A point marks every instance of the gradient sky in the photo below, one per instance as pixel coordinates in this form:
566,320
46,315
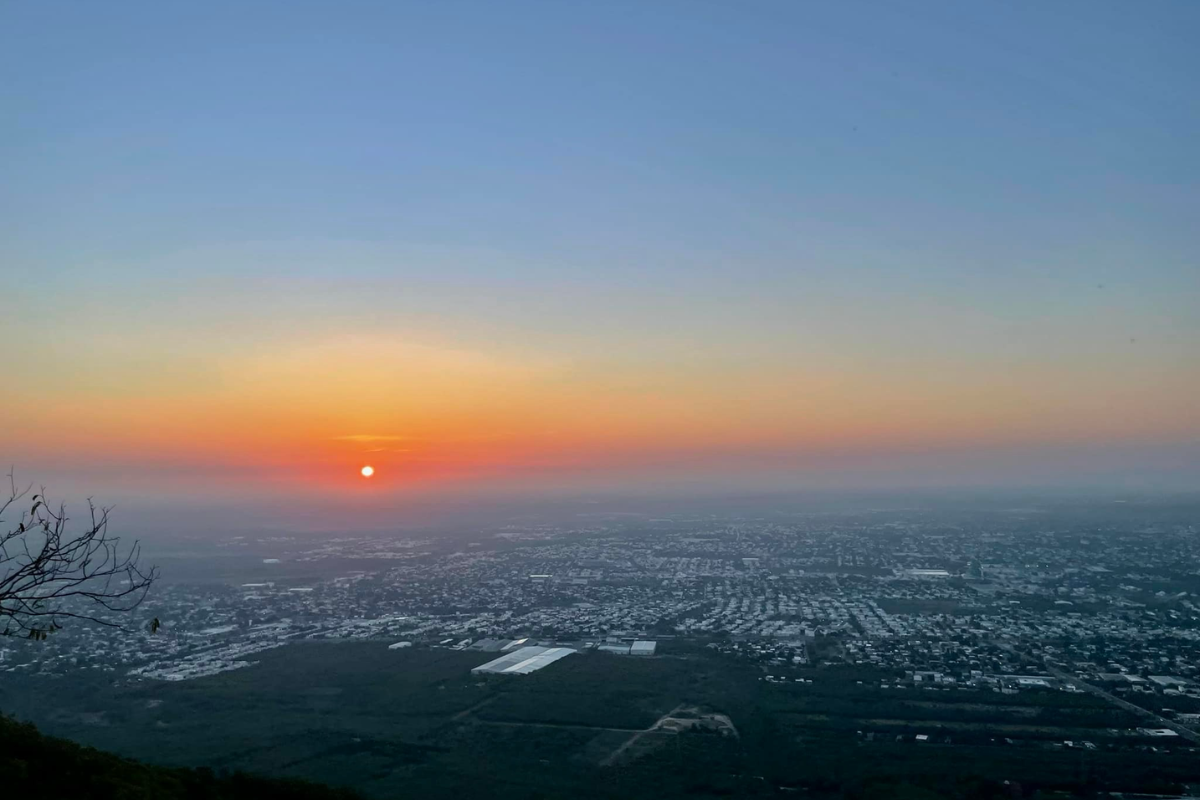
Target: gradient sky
247,247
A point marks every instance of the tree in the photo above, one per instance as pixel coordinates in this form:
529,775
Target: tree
49,574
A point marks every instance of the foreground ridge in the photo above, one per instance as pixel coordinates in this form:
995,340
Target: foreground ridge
38,766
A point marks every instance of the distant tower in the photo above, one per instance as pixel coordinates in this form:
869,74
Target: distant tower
975,570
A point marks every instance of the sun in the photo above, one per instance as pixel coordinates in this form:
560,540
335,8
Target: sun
367,471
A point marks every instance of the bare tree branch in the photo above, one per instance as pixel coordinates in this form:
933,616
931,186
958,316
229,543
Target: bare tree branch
48,574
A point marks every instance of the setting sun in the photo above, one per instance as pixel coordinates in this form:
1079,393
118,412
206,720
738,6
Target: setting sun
367,471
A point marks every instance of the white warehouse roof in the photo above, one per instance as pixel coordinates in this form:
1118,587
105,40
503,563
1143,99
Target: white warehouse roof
524,660
642,648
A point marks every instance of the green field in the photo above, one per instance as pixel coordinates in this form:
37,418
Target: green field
416,723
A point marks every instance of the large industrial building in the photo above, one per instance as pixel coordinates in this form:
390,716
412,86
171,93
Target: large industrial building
523,661
642,648
637,648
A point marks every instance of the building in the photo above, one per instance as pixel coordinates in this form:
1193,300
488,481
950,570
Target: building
523,661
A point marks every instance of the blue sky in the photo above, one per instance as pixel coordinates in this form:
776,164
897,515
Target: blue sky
877,197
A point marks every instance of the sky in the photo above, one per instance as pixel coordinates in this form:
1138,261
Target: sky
518,248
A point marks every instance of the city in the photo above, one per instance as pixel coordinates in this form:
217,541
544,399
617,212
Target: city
1031,601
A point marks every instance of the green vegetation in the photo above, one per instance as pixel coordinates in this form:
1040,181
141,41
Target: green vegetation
417,723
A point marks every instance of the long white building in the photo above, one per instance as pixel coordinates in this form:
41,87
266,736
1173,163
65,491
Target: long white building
524,660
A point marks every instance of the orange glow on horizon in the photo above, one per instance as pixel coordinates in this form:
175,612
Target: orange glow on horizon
432,415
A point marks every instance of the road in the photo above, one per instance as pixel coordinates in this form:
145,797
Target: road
1160,721
632,740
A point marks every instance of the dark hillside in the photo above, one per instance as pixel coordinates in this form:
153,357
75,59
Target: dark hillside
38,766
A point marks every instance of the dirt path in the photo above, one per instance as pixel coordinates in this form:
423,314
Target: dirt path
632,740
466,712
